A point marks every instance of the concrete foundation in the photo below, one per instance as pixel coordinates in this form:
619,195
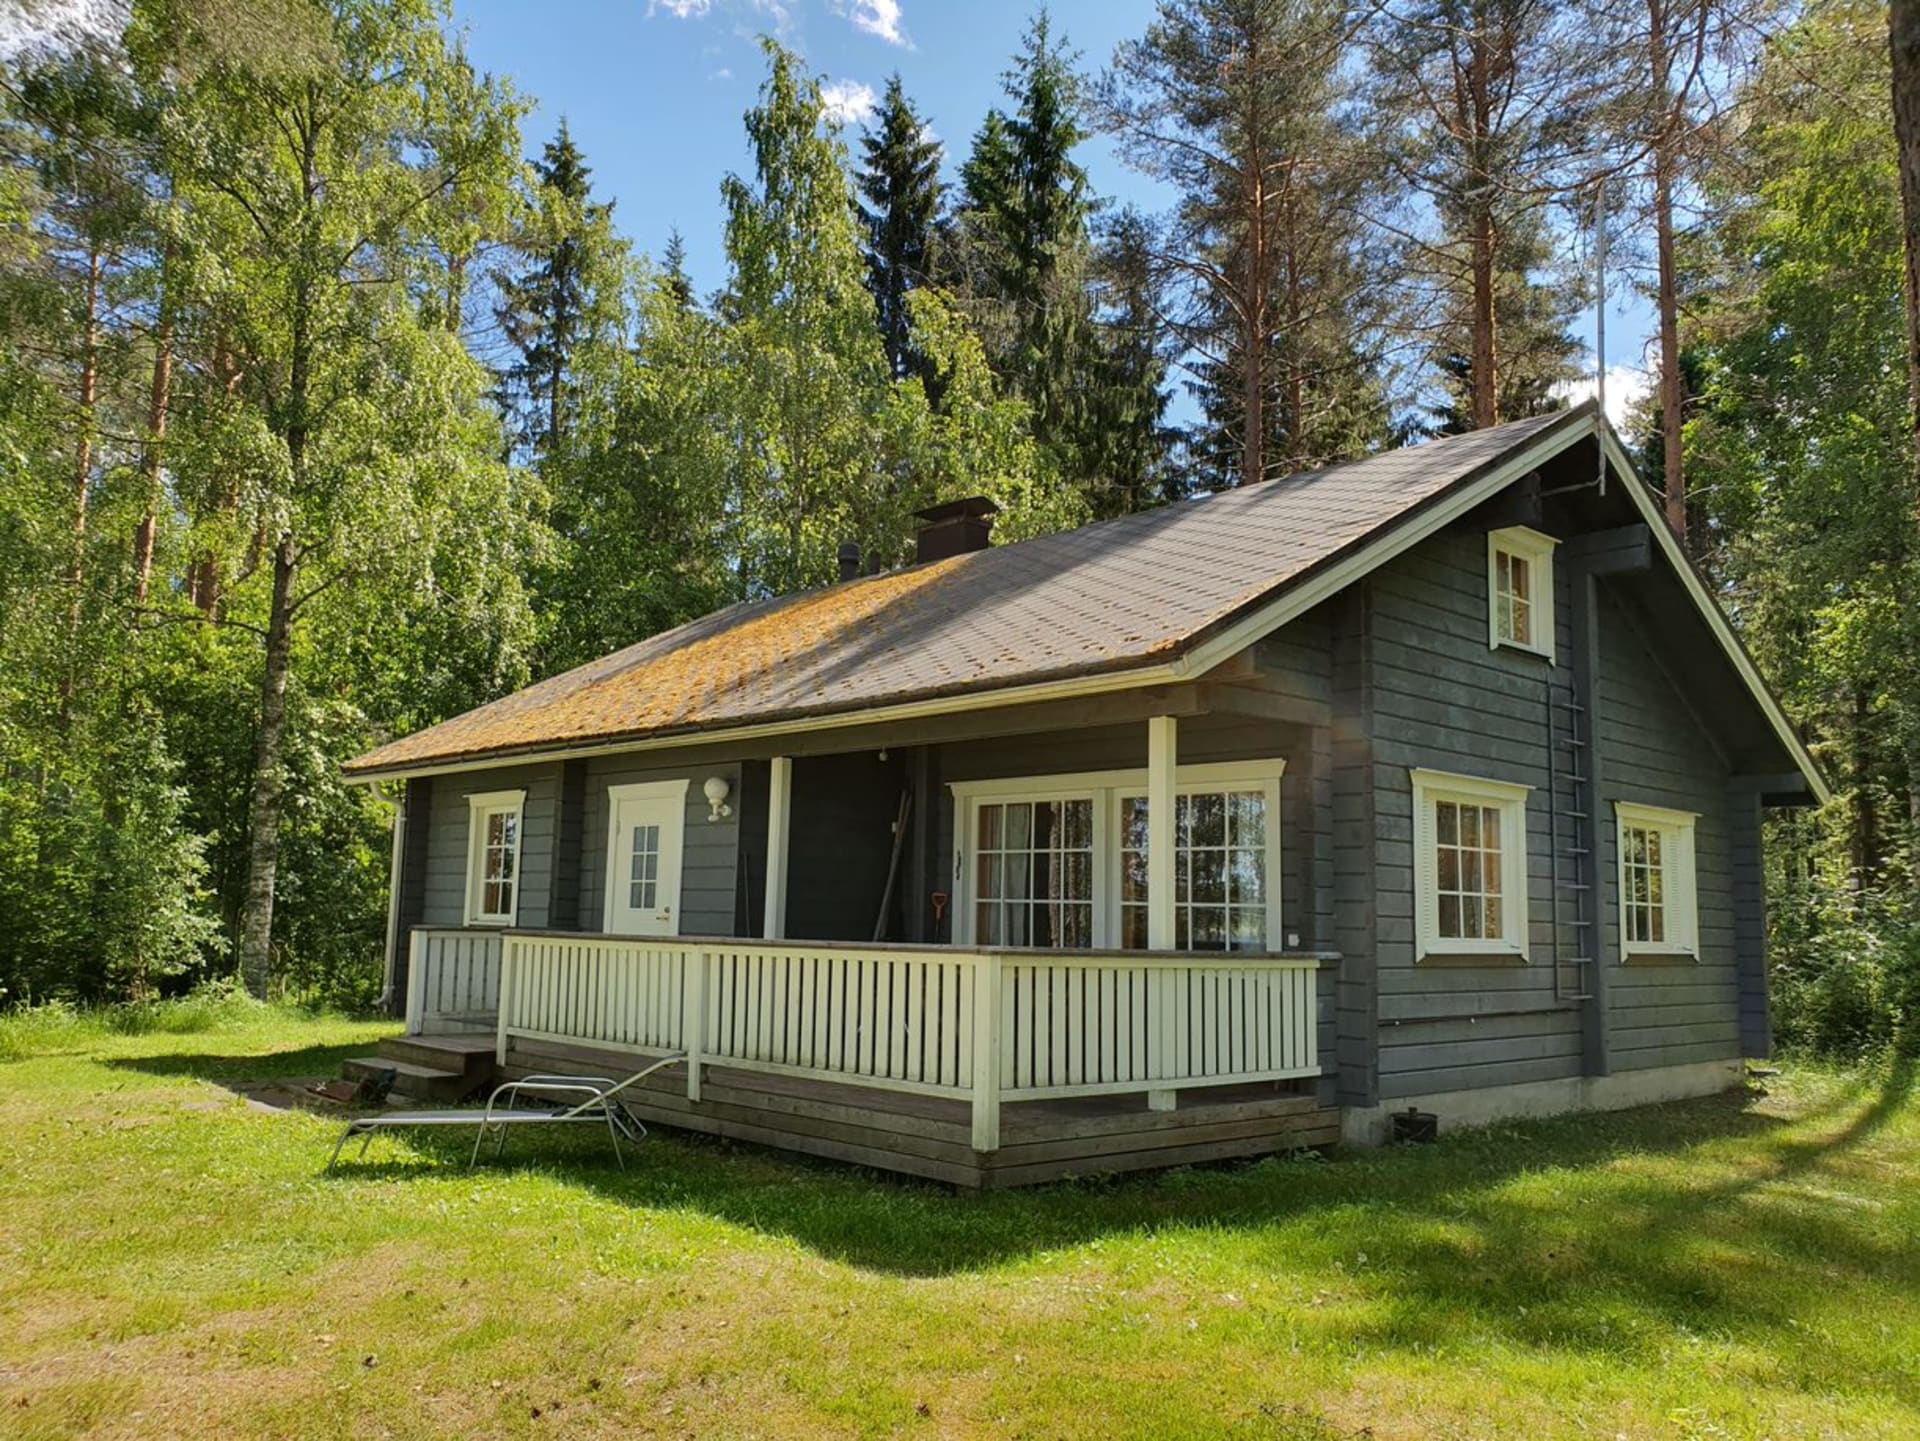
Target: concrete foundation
1370,1126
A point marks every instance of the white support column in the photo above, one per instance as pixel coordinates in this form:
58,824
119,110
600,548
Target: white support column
509,983
1163,750
779,804
986,1051
416,984
693,1024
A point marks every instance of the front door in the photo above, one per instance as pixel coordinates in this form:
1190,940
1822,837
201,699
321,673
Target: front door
643,863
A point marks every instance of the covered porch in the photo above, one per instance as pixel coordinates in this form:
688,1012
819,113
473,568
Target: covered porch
1067,986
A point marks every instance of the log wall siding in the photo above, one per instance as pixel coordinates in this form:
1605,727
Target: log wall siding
710,849
444,900
1439,697
1667,1011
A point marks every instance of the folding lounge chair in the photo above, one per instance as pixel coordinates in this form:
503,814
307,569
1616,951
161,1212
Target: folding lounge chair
598,1103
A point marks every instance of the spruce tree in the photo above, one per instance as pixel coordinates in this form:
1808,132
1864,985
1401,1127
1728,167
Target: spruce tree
545,311
899,182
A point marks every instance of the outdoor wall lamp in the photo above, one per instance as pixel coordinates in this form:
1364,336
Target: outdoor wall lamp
716,790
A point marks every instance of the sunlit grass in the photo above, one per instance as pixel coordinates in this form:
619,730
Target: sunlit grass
173,1261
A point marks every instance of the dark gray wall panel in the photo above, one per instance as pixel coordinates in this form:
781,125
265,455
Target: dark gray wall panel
445,898
707,862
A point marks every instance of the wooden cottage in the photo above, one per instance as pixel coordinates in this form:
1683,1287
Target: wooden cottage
1432,780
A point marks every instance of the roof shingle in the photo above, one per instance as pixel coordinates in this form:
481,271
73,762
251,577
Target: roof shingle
1113,595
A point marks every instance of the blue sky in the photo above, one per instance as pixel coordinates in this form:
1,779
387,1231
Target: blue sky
654,91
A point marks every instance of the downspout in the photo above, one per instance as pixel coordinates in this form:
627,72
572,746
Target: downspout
393,896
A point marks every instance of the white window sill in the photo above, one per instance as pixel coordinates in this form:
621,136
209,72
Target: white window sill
1472,950
501,922
1658,953
1523,649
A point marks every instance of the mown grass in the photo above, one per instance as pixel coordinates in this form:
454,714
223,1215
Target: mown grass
174,1262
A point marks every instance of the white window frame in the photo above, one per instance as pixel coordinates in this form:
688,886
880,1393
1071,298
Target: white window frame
1104,790
1536,549
1430,787
1679,878
481,805
673,790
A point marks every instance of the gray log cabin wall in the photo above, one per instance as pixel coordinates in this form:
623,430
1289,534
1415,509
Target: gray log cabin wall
1420,687
563,852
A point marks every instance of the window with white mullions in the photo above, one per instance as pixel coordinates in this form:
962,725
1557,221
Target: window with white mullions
644,868
1468,863
493,857
1469,866
1033,873
1520,589
1658,906
1220,870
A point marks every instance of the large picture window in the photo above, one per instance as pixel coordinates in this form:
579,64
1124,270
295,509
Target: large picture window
1061,861
1658,914
1470,865
493,857
1220,883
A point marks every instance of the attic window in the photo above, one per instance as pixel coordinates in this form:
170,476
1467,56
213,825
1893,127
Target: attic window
1520,590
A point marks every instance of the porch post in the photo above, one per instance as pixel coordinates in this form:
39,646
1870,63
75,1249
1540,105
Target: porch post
986,1050
416,983
396,870
1162,758
779,804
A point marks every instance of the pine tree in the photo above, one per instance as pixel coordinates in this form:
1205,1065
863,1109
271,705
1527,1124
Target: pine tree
900,182
1240,103
1481,107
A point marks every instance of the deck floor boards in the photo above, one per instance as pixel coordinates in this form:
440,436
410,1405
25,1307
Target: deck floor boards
931,1136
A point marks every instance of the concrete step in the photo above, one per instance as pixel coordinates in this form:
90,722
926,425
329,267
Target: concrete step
411,1081
469,1056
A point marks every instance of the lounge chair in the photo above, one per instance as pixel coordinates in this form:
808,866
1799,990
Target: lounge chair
598,1104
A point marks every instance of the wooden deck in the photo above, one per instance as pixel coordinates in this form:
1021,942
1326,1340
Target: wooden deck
931,1136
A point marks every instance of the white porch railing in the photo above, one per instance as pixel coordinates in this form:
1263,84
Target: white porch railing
453,980
981,1026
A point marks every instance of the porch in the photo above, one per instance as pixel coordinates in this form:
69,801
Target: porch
978,1067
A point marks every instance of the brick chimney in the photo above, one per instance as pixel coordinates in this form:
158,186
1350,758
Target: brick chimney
954,528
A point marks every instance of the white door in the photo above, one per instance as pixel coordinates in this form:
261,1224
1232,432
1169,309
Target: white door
643,859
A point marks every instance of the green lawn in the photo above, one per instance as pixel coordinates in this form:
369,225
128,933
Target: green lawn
174,1262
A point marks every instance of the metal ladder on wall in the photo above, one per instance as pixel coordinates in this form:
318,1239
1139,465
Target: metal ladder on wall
1569,835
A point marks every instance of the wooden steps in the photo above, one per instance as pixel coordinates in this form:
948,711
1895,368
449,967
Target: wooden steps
428,1068
931,1136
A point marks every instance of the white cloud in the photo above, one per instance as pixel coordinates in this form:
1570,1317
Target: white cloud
879,18
847,100
1627,385
723,73
680,9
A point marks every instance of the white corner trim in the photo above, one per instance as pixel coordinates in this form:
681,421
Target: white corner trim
1535,547
1430,786
480,805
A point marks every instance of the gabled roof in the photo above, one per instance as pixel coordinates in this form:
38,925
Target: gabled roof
1149,598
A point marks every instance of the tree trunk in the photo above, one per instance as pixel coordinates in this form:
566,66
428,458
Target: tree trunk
1671,397
1254,351
158,400
1903,39
1904,42
1485,358
83,446
269,777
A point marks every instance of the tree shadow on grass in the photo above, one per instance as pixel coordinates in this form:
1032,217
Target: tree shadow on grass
883,1223
243,1071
